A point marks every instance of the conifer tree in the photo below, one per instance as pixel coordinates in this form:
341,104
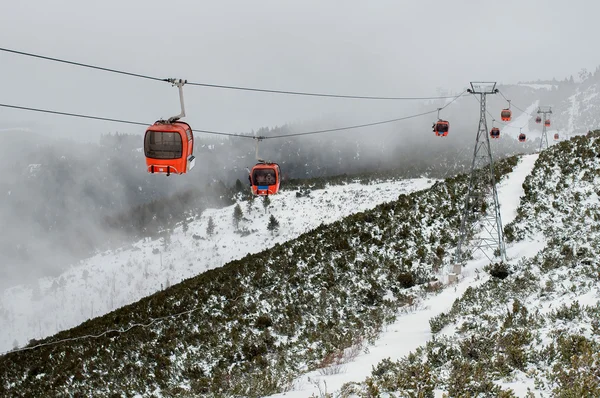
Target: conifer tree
266,202
249,204
237,216
210,229
239,187
166,240
273,224
185,225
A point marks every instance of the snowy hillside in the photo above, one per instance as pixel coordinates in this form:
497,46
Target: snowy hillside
111,280
531,329
538,86
580,111
360,307
575,105
251,327
411,329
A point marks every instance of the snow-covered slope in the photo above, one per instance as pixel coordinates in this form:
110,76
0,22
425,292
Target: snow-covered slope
411,329
579,112
538,86
531,332
113,279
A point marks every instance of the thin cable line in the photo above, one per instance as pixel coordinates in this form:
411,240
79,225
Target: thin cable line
455,98
351,127
303,93
510,102
220,86
80,64
499,121
219,132
72,114
367,124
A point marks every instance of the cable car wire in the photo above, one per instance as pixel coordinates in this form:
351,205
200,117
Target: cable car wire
220,86
210,131
364,97
224,133
510,102
350,127
80,64
72,114
367,124
501,122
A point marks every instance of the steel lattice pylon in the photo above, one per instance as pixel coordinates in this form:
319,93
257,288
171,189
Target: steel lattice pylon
544,138
476,216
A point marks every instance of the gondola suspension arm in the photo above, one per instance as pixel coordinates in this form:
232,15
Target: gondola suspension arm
179,83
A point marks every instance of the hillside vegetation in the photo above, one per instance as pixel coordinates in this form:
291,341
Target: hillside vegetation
537,324
250,327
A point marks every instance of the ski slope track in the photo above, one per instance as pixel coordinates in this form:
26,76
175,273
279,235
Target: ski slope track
113,279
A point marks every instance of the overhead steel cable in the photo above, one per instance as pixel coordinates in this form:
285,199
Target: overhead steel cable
350,127
501,122
220,132
221,86
302,93
80,64
510,102
211,131
455,98
25,108
366,124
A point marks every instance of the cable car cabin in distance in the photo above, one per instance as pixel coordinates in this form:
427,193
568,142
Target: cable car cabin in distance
547,123
505,115
522,137
265,179
169,147
556,137
441,128
538,119
495,132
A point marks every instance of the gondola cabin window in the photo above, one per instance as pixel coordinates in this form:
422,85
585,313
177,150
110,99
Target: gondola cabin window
262,177
163,145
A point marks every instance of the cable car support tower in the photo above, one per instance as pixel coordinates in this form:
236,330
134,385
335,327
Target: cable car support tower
544,138
477,217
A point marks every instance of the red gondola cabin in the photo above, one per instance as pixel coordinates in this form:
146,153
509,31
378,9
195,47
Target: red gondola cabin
538,119
169,148
441,128
265,179
556,137
505,115
547,123
522,137
495,132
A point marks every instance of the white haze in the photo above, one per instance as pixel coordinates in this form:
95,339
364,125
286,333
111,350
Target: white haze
387,48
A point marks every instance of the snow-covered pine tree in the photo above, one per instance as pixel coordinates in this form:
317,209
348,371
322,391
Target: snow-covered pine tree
273,224
237,216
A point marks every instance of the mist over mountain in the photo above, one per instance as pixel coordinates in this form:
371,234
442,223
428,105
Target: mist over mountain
66,199
78,194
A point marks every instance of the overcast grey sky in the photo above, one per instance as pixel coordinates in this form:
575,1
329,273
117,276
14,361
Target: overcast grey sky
388,48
